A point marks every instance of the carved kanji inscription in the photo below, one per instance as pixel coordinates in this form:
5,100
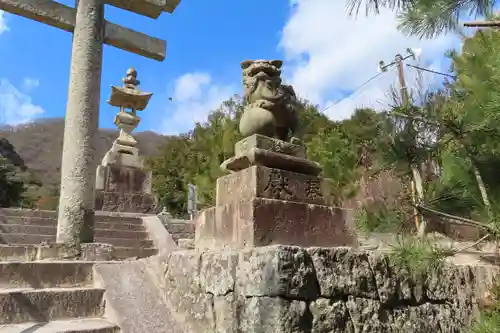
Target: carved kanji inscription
278,185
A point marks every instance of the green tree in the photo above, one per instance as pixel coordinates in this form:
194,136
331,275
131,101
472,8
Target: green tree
426,18
169,171
195,157
12,186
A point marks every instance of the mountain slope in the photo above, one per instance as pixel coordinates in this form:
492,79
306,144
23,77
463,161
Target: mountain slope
40,145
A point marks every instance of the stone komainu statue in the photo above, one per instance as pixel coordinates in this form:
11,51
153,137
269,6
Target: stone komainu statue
271,108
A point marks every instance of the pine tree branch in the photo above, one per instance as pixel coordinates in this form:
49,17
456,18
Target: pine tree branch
415,118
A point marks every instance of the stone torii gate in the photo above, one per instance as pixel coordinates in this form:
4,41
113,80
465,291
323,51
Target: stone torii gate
90,31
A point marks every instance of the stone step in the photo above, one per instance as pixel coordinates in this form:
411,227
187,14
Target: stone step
13,238
45,274
28,212
17,252
180,227
28,252
87,325
176,237
99,216
131,252
43,305
52,222
52,230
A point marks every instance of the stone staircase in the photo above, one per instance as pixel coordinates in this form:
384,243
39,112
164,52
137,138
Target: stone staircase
51,297
21,230
182,231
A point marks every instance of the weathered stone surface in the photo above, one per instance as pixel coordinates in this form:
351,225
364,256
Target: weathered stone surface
43,305
343,271
97,252
76,200
117,178
367,315
243,146
132,299
227,311
274,315
217,272
56,251
257,156
150,8
263,222
277,271
184,289
395,283
330,316
427,318
125,202
339,290
263,182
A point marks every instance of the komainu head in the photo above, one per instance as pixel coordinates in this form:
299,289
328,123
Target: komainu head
271,107
262,80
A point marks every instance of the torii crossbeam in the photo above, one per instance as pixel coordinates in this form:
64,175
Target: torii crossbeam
90,31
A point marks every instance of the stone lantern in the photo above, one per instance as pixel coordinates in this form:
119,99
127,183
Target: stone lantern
122,184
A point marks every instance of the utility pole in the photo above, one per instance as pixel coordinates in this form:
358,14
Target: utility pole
405,99
417,191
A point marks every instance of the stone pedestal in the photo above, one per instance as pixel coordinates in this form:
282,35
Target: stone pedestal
124,189
258,205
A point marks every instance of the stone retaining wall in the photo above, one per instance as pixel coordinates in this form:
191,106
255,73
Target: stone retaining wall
291,289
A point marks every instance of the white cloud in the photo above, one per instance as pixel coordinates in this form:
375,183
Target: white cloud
15,107
329,54
3,24
30,83
194,96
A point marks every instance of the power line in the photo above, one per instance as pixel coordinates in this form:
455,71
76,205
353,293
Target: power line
432,71
354,91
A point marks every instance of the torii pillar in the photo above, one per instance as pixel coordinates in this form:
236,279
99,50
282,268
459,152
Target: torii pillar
90,30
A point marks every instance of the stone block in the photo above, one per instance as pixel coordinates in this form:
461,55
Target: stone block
97,252
244,146
262,222
330,316
125,202
277,271
262,182
368,315
115,178
217,272
227,310
257,156
343,271
274,315
55,251
184,290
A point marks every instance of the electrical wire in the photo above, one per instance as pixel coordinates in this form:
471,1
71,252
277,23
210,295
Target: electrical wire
432,71
356,90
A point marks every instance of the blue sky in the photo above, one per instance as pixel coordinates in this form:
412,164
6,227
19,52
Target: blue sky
326,56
